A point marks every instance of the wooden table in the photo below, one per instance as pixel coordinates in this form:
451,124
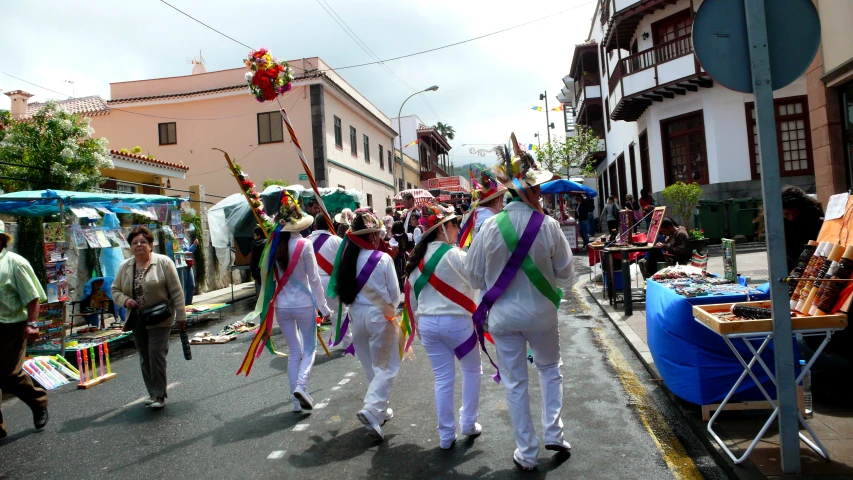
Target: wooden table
625,251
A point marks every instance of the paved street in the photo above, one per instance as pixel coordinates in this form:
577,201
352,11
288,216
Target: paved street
223,426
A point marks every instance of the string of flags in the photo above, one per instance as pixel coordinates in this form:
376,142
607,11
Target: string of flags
540,109
410,144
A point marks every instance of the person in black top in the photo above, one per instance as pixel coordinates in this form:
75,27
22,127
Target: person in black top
583,212
803,220
258,244
312,208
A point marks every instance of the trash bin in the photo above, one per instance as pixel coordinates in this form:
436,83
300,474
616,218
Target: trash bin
739,213
711,218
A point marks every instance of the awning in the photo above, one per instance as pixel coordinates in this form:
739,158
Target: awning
41,203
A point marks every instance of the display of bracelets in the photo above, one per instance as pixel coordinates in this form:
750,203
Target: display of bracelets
705,290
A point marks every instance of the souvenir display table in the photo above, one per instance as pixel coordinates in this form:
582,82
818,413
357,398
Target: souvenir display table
196,311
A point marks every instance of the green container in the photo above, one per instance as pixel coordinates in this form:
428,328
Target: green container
739,214
711,218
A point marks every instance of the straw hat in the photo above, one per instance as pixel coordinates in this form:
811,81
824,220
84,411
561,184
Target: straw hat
291,217
345,217
436,216
4,233
524,168
487,189
371,223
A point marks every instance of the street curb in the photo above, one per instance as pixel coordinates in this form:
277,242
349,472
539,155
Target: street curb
698,427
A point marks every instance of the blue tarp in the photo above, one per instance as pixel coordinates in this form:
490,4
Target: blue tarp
694,362
41,203
567,186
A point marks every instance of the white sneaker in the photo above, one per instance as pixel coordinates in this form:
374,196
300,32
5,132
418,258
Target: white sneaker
297,408
562,447
366,418
474,431
448,445
149,401
521,464
389,414
305,400
158,404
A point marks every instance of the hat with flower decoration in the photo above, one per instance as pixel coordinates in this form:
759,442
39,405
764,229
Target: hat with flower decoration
486,188
371,223
290,216
524,171
435,215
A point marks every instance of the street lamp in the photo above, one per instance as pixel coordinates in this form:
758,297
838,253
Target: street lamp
400,131
548,124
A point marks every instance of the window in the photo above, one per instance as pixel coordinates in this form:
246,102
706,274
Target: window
381,158
389,161
270,128
339,135
672,27
792,137
125,187
168,133
366,148
607,112
645,164
370,200
684,149
387,201
399,184
353,148
409,185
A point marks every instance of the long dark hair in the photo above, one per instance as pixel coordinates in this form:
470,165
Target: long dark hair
421,247
347,271
282,254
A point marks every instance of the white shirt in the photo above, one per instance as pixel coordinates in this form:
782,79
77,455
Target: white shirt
521,307
389,222
329,251
383,279
451,270
305,272
483,214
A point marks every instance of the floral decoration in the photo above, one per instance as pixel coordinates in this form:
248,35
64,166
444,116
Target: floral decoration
248,188
696,234
268,78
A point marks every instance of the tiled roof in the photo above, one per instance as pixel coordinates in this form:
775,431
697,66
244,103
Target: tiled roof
19,92
132,157
87,106
588,43
200,93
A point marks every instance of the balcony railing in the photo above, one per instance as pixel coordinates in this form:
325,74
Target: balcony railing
656,55
615,77
590,80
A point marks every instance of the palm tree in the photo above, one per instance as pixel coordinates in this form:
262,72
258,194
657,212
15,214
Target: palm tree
445,130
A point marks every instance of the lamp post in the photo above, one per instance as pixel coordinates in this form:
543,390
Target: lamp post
538,140
548,124
400,131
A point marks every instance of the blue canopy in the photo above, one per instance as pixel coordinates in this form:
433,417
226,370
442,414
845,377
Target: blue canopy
41,203
565,186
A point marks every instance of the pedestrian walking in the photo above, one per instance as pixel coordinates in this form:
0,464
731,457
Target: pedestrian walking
189,274
20,295
611,215
367,283
325,246
583,213
522,304
298,295
400,243
443,310
147,285
488,202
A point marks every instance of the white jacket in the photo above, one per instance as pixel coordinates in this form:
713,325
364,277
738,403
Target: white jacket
451,270
521,307
383,280
305,272
329,251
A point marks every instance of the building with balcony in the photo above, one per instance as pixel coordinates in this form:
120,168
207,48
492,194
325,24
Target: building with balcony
664,119
426,145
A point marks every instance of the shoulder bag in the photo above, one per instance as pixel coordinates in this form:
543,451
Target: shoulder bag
153,314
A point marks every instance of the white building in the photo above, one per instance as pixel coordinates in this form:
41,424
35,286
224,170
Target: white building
640,88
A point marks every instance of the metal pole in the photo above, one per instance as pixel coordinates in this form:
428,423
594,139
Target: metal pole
547,119
400,134
786,388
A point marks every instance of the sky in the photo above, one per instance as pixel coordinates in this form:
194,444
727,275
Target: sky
487,87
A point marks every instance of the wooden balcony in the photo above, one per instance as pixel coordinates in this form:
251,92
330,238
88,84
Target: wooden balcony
661,72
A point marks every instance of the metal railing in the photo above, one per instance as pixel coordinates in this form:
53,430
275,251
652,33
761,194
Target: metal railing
656,55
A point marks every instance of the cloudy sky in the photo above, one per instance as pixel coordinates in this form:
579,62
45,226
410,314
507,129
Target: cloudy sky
487,87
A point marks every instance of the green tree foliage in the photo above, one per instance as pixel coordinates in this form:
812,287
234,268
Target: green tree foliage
53,149
573,153
682,200
269,181
445,130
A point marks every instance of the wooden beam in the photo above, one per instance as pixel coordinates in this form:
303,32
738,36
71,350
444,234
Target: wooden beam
689,86
676,90
653,96
666,93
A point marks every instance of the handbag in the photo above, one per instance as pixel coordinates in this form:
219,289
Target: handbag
155,313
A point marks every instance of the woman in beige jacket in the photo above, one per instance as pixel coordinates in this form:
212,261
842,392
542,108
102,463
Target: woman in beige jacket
143,281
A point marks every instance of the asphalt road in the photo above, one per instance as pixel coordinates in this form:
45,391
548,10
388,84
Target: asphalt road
218,425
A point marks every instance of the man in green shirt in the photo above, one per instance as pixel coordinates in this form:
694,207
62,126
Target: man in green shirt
20,294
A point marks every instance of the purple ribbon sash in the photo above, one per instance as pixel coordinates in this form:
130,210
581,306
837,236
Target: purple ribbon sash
360,282
504,279
466,346
319,242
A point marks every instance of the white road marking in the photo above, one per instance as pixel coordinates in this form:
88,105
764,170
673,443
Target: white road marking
350,374
276,454
336,388
322,404
300,427
344,381
139,400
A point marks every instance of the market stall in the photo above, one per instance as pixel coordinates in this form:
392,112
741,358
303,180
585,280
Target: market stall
77,290
562,187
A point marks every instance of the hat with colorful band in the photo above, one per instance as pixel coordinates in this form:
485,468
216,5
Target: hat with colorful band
487,188
524,173
436,215
371,223
290,216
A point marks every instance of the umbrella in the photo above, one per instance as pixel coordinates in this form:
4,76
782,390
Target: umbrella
421,196
567,186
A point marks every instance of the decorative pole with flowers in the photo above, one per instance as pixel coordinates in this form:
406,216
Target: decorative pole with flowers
247,187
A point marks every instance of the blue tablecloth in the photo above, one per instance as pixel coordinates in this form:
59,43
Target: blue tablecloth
694,362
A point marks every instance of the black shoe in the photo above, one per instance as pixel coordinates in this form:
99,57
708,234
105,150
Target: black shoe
3,434
40,417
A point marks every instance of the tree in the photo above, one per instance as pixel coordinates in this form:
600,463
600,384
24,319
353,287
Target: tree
682,200
579,151
552,155
52,149
445,130
269,181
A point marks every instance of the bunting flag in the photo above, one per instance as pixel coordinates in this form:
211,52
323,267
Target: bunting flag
532,147
538,108
557,109
410,144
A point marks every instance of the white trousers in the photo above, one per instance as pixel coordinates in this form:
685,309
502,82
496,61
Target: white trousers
512,360
333,303
440,334
368,331
299,326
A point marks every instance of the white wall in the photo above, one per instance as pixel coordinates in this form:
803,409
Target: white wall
408,125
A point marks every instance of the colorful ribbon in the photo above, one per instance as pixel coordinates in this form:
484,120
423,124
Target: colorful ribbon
533,273
322,262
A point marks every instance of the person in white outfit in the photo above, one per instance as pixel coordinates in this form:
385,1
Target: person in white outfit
325,245
367,282
445,325
297,302
524,312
